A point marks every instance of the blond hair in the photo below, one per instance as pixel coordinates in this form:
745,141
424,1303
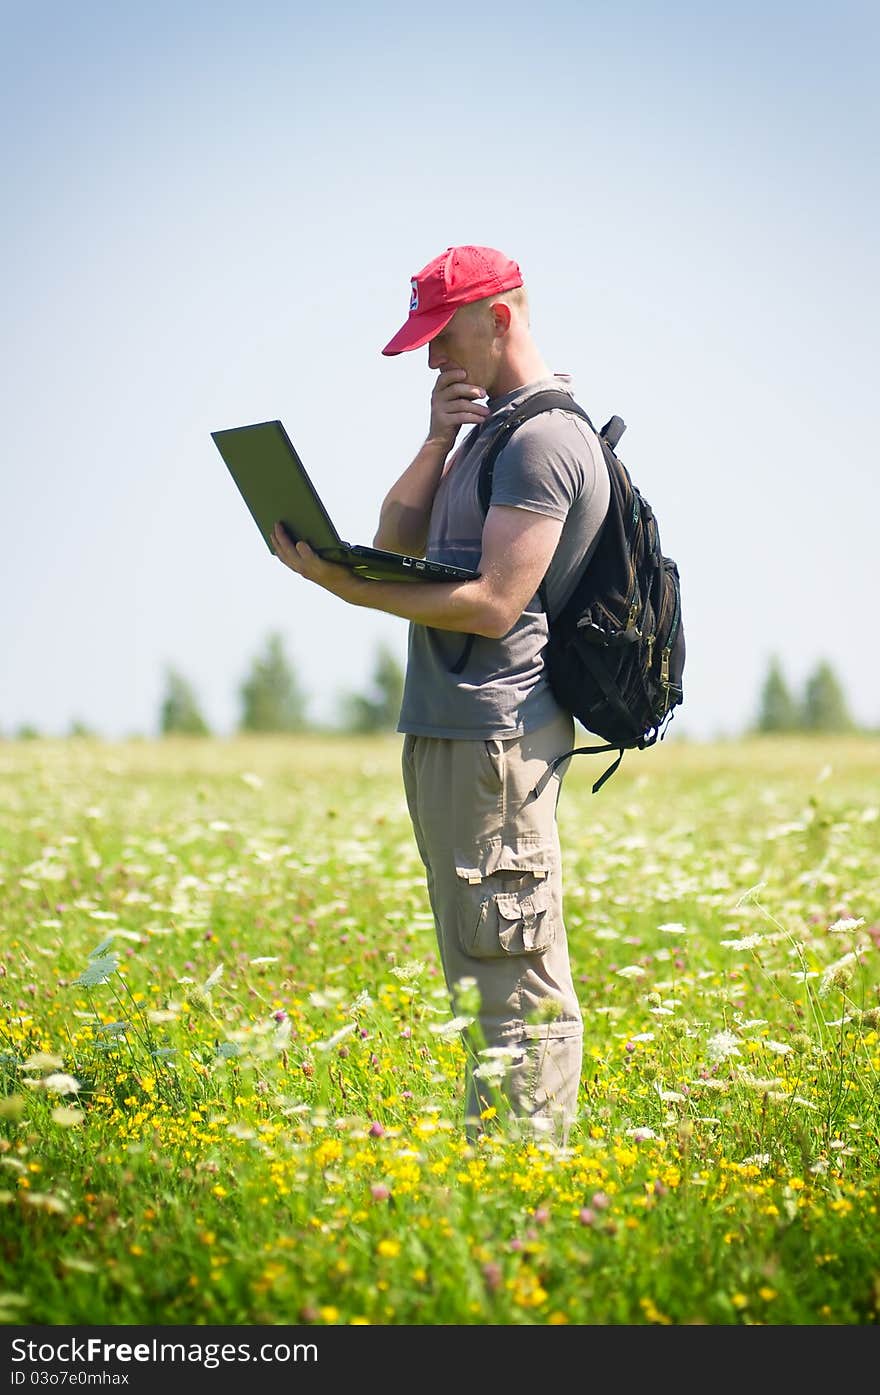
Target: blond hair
517,299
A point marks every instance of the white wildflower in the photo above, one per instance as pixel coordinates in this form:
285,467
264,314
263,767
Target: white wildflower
750,894
281,1034
326,999
722,1045
491,1071
451,1028
254,781
336,1038
61,1084
631,971
747,942
669,1096
838,975
673,927
67,1118
841,927
779,1048
42,1060
242,1131
641,1134
408,973
45,1201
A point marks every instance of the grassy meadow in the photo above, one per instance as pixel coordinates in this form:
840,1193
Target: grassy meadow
230,1085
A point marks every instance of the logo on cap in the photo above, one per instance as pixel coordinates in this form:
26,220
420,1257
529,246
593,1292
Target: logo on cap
414,298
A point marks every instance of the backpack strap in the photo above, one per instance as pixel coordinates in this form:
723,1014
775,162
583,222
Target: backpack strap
532,406
611,432
580,751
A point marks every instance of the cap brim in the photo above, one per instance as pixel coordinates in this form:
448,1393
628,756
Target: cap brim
419,330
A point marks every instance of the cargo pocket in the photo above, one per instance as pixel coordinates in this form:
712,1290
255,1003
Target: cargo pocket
505,914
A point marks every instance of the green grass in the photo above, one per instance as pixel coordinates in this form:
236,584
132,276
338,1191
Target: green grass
229,1095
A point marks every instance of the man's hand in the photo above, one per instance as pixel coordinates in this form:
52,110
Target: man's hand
300,558
454,404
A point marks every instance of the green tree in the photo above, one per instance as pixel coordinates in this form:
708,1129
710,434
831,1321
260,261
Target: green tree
81,729
379,709
824,706
271,697
180,713
777,709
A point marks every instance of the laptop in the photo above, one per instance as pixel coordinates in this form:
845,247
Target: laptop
274,484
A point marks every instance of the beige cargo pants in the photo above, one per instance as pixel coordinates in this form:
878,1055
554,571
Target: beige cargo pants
490,846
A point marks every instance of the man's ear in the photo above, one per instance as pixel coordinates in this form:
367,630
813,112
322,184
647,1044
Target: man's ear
502,317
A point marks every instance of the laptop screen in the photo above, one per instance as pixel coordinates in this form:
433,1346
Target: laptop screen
273,482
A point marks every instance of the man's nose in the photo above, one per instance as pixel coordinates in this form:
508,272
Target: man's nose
437,359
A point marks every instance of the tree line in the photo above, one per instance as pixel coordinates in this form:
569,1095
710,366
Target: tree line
272,700
820,706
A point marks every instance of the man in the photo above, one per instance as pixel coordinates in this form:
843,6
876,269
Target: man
480,723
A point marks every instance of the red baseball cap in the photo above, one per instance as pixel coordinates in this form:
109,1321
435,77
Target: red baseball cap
457,277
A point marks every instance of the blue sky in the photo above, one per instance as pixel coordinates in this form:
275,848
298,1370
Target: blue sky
211,215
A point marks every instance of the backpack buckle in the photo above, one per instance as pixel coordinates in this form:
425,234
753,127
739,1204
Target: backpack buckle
591,631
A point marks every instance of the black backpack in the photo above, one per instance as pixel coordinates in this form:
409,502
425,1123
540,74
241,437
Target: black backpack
615,652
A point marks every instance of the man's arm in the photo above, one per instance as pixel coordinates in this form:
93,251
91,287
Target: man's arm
517,548
406,510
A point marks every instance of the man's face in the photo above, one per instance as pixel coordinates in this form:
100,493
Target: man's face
468,342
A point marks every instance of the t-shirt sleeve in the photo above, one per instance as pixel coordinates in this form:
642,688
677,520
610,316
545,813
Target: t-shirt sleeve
545,467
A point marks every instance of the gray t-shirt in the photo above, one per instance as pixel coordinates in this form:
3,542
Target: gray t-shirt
553,464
